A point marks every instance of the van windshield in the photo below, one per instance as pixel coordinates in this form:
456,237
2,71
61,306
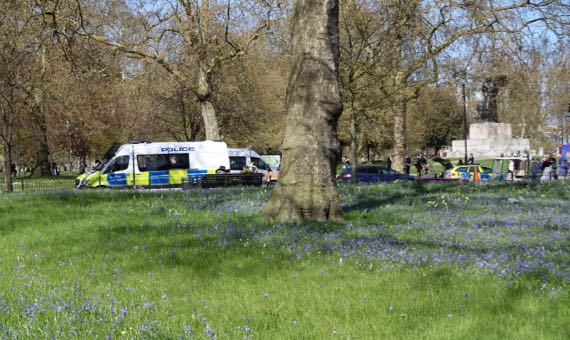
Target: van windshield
260,164
118,164
107,157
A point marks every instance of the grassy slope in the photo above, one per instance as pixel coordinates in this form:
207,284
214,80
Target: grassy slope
174,264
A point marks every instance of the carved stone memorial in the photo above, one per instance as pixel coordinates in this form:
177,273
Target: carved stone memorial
488,138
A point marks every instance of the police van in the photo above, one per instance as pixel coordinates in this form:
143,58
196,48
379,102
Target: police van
241,158
162,164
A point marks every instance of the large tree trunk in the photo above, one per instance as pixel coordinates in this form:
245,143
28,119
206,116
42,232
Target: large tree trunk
208,112
38,121
307,186
399,108
7,143
353,160
399,147
39,126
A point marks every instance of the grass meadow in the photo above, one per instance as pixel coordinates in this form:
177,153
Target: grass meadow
445,261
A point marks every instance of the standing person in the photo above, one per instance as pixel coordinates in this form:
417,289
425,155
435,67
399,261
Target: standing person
554,168
424,163
471,159
13,169
389,162
546,170
418,166
407,164
511,170
346,163
53,168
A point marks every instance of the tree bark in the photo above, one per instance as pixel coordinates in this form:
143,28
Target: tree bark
39,126
8,165
307,187
208,112
399,112
399,148
353,156
38,121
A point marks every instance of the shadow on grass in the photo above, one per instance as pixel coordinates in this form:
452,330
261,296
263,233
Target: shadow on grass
206,249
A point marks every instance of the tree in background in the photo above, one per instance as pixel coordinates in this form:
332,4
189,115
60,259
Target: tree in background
434,119
118,74
20,88
359,29
428,30
189,39
250,97
531,98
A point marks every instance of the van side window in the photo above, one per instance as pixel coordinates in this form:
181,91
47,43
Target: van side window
118,164
179,161
259,163
163,162
237,162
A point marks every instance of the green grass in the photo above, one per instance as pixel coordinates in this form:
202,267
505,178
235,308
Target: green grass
27,183
170,264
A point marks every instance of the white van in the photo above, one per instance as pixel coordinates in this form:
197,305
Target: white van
157,164
242,157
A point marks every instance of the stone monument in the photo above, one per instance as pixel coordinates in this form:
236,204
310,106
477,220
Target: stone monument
488,137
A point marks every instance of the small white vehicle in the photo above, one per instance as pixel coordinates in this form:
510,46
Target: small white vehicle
243,158
159,164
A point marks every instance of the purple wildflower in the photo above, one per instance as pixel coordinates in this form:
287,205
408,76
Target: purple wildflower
210,332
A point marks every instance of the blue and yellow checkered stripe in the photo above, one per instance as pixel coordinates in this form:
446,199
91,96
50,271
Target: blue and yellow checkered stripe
150,178
483,176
